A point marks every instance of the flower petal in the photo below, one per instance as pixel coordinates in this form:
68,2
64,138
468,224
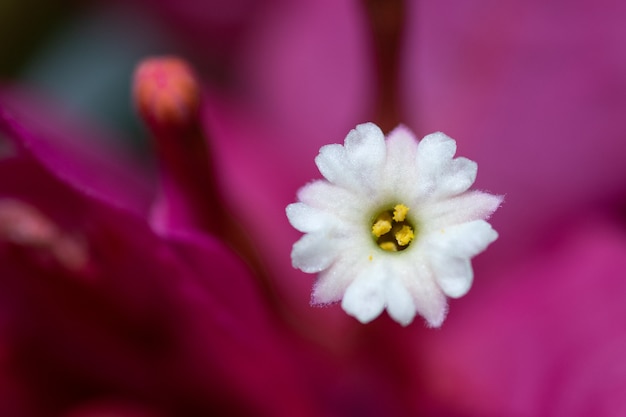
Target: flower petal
332,283
333,199
366,150
439,173
433,306
460,176
451,250
365,297
305,218
469,206
400,171
428,299
400,305
356,164
454,275
314,252
464,240
331,161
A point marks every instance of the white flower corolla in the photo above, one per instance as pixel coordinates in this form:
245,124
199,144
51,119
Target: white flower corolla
393,225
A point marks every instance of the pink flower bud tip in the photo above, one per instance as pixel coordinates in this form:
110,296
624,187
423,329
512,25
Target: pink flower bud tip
166,91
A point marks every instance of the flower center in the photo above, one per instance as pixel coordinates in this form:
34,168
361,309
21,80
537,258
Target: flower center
391,229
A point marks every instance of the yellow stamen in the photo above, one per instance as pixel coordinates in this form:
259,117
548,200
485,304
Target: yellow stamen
392,230
388,246
399,212
382,225
405,235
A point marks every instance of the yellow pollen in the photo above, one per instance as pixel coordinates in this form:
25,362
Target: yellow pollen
388,246
382,224
391,229
399,212
405,235
381,227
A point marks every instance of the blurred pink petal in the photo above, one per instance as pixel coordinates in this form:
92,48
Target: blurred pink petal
112,408
309,75
74,152
307,68
534,92
261,171
178,321
546,341
536,103
212,30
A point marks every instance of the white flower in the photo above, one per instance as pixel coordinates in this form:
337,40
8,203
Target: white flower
393,226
